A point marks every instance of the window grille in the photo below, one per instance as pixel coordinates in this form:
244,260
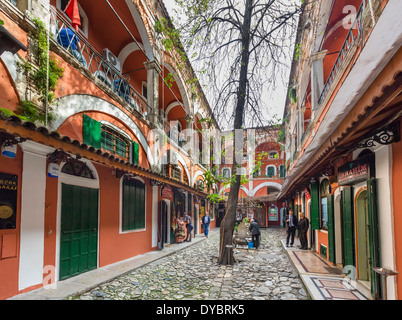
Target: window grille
113,142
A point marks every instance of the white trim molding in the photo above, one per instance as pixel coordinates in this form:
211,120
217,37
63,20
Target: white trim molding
77,103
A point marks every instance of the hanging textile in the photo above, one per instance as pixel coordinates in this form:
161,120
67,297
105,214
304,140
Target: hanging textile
73,12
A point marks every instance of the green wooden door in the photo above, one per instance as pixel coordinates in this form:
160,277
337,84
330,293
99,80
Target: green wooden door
373,237
79,230
331,228
347,227
315,206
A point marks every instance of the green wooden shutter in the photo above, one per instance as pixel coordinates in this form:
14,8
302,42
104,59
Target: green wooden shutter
315,206
347,226
373,237
133,205
91,132
331,228
140,214
282,171
135,153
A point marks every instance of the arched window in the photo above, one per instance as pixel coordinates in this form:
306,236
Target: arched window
241,171
115,142
273,155
200,184
324,192
256,173
176,172
78,169
271,171
226,173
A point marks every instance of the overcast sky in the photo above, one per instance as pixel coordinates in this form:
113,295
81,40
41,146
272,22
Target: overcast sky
275,102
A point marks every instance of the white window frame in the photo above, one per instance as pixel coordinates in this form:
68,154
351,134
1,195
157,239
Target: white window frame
230,172
273,158
271,166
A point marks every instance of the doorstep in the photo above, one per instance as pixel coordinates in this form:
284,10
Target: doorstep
322,280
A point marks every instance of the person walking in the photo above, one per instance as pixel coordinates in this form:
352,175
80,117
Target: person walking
303,226
189,227
291,223
255,233
206,220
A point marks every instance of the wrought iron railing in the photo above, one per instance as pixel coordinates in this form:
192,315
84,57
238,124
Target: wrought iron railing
72,41
353,34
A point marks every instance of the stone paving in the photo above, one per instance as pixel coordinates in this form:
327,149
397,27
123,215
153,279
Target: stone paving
193,274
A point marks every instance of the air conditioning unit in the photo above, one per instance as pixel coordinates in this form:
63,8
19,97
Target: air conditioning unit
112,59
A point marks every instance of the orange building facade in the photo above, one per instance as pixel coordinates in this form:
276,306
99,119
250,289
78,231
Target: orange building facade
263,171
343,138
109,176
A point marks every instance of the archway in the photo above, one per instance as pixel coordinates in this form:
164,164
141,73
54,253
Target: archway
78,218
70,105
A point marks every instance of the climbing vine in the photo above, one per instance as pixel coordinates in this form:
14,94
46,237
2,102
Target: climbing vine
45,76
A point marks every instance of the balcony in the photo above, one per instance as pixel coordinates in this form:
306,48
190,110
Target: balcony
101,66
353,34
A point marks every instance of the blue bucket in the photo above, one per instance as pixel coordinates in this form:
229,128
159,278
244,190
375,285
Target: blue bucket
250,245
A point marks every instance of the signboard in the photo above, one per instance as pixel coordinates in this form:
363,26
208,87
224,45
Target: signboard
307,194
167,193
355,172
8,201
273,214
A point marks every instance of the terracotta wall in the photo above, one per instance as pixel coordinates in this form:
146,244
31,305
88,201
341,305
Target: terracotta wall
10,239
397,205
113,245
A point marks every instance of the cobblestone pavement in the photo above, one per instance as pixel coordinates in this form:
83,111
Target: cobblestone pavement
193,273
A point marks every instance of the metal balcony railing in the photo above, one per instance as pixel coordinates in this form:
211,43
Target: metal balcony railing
354,33
71,40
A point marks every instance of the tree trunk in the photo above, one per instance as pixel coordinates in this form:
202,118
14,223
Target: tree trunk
228,222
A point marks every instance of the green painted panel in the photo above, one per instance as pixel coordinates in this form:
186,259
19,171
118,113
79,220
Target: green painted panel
315,206
347,226
373,237
133,205
91,132
331,228
135,153
79,230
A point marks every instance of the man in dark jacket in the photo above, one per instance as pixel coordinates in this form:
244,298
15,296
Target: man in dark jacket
291,223
206,220
255,233
303,226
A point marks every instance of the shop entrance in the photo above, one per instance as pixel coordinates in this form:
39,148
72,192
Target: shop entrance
363,246
164,233
79,230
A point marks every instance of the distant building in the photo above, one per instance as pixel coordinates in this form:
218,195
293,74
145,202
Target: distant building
263,168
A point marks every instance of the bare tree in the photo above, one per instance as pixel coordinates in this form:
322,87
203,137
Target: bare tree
239,48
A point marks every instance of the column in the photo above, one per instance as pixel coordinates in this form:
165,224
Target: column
153,71
155,209
32,214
